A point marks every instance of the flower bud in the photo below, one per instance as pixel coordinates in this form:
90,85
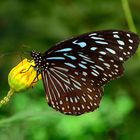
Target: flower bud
23,76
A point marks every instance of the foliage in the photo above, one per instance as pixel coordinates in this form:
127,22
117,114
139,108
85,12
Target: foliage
36,25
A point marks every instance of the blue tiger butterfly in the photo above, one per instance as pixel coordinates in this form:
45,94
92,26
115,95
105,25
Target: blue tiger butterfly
74,71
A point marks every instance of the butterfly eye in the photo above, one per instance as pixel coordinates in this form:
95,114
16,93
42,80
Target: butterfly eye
32,53
74,71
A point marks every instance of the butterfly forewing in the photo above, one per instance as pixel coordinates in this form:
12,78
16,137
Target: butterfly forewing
76,69
119,44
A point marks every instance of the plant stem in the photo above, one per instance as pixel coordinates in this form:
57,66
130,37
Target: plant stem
128,15
6,99
129,19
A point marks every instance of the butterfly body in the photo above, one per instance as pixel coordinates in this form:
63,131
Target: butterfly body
74,71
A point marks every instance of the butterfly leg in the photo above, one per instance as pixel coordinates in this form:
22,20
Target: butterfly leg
24,71
36,78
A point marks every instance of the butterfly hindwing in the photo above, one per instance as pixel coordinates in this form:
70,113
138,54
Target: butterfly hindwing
70,95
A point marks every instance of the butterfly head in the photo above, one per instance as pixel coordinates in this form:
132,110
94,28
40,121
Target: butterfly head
37,58
40,64
35,54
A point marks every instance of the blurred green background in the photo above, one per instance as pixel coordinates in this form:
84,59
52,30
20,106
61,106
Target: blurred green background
37,25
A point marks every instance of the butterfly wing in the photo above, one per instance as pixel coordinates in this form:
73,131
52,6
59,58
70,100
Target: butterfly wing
69,95
79,67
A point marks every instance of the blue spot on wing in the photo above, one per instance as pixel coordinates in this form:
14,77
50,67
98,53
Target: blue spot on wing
70,56
82,66
81,44
55,58
70,65
64,50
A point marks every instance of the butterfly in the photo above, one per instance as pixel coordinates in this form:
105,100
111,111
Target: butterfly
75,71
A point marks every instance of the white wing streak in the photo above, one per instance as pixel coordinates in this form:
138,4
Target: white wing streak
54,85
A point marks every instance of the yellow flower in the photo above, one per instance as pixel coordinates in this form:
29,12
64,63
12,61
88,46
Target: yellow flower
23,76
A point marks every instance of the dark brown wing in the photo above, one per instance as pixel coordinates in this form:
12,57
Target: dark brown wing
79,67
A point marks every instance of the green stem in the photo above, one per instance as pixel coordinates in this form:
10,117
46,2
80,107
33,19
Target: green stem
6,99
129,19
128,15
